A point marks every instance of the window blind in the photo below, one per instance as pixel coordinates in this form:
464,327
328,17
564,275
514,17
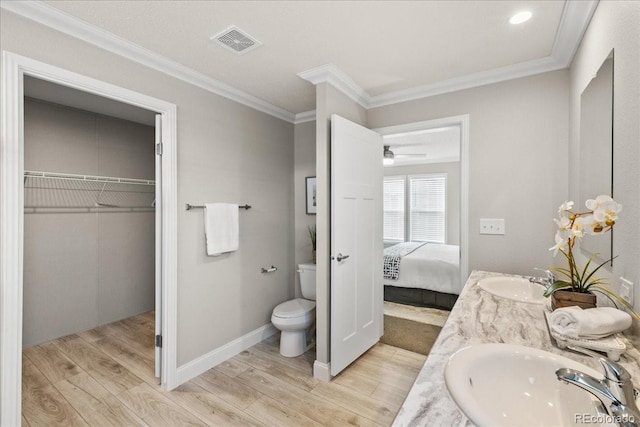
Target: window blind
427,195
394,214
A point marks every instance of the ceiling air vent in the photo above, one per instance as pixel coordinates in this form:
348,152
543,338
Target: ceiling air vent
237,40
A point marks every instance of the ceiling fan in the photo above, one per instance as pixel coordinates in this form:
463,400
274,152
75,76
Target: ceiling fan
388,156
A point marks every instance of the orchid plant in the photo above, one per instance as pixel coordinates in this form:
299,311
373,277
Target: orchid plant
600,218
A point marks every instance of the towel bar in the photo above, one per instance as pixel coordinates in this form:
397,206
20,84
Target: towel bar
188,207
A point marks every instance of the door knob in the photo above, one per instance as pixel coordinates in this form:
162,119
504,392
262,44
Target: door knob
340,257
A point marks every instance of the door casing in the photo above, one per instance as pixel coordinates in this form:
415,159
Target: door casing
463,122
14,68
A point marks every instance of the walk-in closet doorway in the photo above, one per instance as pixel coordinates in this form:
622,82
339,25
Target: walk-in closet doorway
89,227
65,190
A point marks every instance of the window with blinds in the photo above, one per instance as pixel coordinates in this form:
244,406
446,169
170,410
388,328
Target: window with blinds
427,195
415,208
394,204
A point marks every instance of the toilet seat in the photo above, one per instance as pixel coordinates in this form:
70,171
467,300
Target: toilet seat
294,308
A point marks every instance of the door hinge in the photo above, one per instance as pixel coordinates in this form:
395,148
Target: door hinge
159,149
159,341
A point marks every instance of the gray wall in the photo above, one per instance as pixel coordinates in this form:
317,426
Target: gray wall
452,169
82,270
615,25
226,153
518,150
305,165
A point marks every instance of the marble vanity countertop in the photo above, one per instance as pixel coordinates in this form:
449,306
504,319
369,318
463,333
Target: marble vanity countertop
480,317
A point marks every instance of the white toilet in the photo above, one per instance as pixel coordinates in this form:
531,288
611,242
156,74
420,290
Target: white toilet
294,317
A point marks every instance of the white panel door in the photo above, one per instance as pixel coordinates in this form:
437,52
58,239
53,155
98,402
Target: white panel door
158,206
356,241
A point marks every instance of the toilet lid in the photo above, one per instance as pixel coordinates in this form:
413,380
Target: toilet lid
294,308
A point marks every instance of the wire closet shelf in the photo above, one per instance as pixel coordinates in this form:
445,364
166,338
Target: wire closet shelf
44,191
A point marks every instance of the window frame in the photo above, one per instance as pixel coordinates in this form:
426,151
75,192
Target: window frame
407,204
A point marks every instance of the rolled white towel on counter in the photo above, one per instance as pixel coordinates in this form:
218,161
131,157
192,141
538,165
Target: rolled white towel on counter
592,323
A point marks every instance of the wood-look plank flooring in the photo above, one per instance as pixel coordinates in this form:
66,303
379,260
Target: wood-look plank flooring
104,377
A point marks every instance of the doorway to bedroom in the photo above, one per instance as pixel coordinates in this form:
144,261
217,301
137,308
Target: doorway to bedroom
424,194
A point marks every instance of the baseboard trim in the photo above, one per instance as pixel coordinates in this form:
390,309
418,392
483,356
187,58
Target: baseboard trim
322,371
207,361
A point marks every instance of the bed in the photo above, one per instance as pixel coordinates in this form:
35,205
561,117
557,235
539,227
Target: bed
429,276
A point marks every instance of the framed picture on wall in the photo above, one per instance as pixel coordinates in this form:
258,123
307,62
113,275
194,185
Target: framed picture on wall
311,195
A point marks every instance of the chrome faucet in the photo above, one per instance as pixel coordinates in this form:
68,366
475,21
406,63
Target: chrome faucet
544,281
615,391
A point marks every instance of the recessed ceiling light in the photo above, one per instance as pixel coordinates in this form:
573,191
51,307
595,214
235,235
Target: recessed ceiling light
520,17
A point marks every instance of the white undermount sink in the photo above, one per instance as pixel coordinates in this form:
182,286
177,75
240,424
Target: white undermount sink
514,288
513,385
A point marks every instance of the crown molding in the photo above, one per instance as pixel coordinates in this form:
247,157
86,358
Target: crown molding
307,116
58,20
496,75
329,73
576,17
573,23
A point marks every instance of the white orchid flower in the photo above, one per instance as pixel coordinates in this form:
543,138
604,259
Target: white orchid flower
566,206
591,225
593,204
607,212
564,223
603,203
563,234
560,244
580,225
573,226
565,215
605,209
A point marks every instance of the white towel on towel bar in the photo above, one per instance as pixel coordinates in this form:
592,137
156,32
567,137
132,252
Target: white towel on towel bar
221,228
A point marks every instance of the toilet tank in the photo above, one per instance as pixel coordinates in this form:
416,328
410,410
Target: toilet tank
308,281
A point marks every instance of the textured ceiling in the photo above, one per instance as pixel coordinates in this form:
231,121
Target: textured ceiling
384,46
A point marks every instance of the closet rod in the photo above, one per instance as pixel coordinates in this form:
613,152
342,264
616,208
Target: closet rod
77,209
91,178
189,207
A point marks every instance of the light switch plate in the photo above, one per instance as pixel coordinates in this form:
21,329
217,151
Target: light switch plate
626,290
492,226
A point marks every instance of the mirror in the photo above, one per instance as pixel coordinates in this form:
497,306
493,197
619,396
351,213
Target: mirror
596,150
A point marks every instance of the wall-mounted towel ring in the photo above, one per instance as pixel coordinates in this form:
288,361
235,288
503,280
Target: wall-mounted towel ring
269,269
